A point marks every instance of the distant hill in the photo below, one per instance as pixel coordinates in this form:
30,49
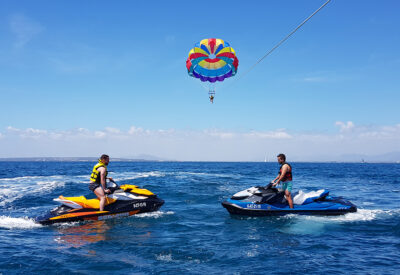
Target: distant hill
393,157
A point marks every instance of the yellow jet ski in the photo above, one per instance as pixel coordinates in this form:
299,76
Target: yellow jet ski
124,200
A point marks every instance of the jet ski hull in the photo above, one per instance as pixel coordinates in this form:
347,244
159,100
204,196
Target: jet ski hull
65,213
331,206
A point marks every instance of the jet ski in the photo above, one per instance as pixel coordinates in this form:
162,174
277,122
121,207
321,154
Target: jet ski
124,200
269,201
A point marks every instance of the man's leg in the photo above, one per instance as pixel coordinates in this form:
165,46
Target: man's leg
100,194
289,198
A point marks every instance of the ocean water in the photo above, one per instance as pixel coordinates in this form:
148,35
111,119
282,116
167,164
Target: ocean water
192,232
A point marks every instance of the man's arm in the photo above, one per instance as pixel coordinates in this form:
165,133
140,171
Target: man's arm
103,178
284,171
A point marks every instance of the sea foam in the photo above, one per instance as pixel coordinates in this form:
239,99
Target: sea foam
12,189
156,214
18,223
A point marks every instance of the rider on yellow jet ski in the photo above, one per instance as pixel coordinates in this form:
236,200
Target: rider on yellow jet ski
98,180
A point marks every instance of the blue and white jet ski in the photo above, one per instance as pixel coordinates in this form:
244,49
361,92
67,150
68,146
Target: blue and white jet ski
268,201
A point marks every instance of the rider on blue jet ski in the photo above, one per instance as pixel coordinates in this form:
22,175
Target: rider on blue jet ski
285,176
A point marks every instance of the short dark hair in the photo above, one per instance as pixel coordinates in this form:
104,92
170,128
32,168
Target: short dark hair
104,156
282,156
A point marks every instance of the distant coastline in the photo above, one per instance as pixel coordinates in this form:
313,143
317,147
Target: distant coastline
68,159
93,159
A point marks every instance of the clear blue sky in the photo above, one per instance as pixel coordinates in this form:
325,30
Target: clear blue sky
66,65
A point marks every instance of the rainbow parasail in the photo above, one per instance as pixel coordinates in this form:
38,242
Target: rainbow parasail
212,60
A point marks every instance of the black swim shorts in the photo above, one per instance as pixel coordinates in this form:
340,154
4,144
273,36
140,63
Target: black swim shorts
93,186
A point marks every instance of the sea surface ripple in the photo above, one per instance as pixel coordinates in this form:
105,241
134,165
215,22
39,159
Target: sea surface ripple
192,232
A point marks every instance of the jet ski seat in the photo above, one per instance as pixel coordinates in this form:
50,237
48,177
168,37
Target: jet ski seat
83,202
301,198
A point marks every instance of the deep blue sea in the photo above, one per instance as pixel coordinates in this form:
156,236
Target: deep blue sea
192,233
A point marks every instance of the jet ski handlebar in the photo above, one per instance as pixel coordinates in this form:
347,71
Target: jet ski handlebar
112,188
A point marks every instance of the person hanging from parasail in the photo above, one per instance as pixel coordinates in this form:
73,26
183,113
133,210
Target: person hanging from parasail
211,93
212,60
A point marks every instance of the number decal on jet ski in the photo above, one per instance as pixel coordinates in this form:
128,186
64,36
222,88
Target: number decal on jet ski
139,204
254,206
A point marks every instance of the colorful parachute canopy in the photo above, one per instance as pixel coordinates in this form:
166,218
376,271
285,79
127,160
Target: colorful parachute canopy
212,60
